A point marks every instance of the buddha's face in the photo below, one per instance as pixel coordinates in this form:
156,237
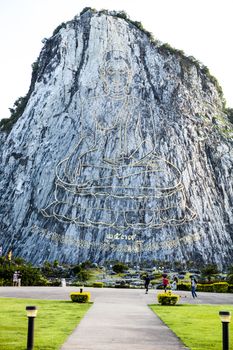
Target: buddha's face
117,76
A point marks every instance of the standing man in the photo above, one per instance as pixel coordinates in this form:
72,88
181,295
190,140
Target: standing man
147,282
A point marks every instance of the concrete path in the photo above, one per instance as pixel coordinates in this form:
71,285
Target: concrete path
119,318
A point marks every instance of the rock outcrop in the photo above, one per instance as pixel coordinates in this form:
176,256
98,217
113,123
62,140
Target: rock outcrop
122,152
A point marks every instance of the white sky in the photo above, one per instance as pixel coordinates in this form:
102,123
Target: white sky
201,28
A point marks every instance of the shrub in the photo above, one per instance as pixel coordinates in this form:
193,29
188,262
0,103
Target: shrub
122,284
31,276
55,282
120,267
85,10
62,25
16,111
43,282
153,282
86,265
78,297
230,288
83,275
220,287
76,269
184,286
98,284
168,298
122,14
209,270
230,278
205,287
229,112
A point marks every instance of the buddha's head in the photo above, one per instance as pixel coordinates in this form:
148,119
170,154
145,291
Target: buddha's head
117,73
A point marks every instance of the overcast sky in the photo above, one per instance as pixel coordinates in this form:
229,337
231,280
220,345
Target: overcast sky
201,28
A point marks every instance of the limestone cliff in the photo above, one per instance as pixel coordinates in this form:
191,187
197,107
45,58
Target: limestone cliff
122,152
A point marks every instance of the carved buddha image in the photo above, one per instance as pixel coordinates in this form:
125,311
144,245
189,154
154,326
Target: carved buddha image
113,176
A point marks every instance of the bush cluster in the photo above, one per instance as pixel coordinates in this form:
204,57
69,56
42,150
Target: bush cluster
168,298
184,286
205,287
78,297
120,267
218,287
98,284
31,276
122,284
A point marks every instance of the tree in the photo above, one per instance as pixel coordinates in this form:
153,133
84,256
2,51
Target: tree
229,112
76,269
30,275
86,264
230,275
119,267
83,275
209,270
55,263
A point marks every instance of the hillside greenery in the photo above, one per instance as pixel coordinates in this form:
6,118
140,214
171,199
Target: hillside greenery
87,273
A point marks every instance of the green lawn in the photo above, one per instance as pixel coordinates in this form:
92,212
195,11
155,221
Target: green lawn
54,322
198,326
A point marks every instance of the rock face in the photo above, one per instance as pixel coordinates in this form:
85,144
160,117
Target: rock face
122,152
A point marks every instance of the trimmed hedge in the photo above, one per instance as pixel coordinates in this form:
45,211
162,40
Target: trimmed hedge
168,298
205,287
121,285
184,286
220,287
78,297
153,282
98,284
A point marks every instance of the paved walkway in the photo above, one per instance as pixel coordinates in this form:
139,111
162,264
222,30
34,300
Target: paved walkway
119,318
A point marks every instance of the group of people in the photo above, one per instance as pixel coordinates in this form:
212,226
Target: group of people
17,279
166,283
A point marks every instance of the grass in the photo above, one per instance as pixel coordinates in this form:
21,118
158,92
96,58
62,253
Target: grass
54,322
198,326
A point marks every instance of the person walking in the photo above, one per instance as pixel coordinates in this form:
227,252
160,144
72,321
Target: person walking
147,282
165,283
193,287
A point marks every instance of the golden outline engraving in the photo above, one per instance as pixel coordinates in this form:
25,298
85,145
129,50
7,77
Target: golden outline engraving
115,160
134,247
